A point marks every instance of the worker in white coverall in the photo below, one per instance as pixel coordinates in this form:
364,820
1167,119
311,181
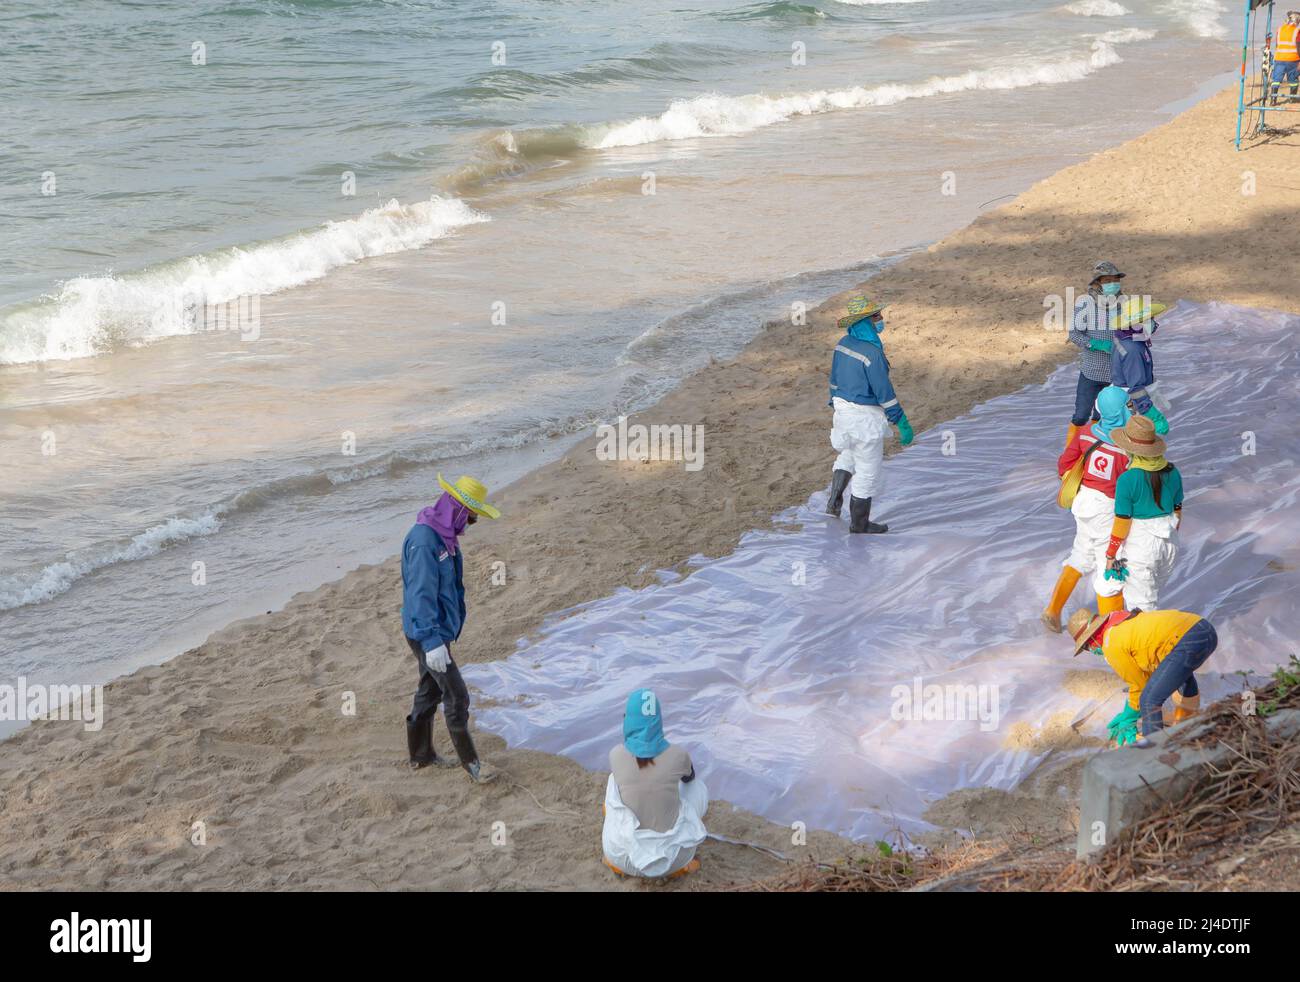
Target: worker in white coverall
1148,511
1101,462
864,403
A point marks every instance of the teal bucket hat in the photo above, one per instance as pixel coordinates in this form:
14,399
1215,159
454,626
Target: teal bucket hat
643,726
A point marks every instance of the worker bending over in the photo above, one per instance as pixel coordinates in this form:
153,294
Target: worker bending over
1157,653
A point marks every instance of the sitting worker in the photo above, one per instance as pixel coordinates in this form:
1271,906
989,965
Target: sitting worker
1157,653
864,403
1093,507
1286,55
1131,364
654,803
1148,513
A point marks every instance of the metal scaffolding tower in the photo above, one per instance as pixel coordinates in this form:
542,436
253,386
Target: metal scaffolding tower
1259,94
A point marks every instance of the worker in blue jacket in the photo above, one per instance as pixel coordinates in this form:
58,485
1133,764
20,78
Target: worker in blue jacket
864,403
433,613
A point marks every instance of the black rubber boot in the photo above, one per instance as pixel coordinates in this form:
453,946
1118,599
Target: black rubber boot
860,517
419,743
835,503
464,744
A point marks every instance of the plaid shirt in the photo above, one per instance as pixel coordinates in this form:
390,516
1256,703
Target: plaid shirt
1093,316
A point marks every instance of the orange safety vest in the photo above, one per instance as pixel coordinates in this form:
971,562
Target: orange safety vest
1286,43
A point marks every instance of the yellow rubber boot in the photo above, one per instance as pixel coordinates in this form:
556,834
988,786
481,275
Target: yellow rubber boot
1108,605
1065,584
1185,707
1071,434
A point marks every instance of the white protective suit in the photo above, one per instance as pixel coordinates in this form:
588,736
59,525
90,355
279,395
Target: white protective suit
1094,514
645,852
858,433
1149,550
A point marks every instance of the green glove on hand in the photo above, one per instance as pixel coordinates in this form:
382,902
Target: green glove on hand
1157,417
905,434
1127,717
1100,344
1126,735
1116,569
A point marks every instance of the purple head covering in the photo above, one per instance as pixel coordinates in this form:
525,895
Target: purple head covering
448,517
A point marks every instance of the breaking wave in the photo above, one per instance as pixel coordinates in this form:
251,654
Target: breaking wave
722,115
90,315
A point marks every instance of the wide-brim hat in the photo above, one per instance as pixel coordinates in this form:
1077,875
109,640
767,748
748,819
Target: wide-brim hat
1138,310
471,494
857,308
1139,437
1083,625
1105,269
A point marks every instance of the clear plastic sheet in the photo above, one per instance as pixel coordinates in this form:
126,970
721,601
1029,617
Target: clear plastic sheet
777,665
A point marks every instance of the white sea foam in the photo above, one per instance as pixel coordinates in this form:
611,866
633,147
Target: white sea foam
722,115
91,314
1097,8
1200,16
58,577
1126,35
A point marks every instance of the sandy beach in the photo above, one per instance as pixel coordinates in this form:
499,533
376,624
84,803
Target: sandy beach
247,733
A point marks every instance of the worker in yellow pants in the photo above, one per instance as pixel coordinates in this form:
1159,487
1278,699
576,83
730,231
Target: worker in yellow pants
1157,653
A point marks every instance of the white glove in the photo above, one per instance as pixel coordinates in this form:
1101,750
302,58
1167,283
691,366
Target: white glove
1159,398
438,659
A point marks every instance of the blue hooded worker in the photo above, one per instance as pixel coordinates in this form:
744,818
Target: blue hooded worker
654,801
433,613
864,402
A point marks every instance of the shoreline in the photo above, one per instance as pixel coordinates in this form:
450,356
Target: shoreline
247,725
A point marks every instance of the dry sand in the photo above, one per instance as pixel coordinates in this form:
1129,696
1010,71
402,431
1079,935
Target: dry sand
246,733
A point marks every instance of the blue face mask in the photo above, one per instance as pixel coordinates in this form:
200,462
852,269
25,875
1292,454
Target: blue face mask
879,324
1112,289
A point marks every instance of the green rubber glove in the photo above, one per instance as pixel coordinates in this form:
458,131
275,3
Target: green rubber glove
1100,344
1127,716
905,434
1157,417
1126,734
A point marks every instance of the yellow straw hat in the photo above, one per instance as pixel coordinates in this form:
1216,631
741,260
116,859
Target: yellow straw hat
857,308
1083,625
470,493
1138,310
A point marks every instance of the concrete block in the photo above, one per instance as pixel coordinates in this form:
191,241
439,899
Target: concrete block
1120,787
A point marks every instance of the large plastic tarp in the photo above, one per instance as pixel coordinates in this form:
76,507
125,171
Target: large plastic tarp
777,665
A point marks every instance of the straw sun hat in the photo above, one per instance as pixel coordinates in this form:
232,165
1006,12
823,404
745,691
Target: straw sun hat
857,308
471,494
1138,437
1083,625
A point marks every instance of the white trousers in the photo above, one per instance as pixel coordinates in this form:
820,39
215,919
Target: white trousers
1094,514
639,851
1149,550
858,433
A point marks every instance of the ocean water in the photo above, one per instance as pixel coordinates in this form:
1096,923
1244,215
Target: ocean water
266,267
